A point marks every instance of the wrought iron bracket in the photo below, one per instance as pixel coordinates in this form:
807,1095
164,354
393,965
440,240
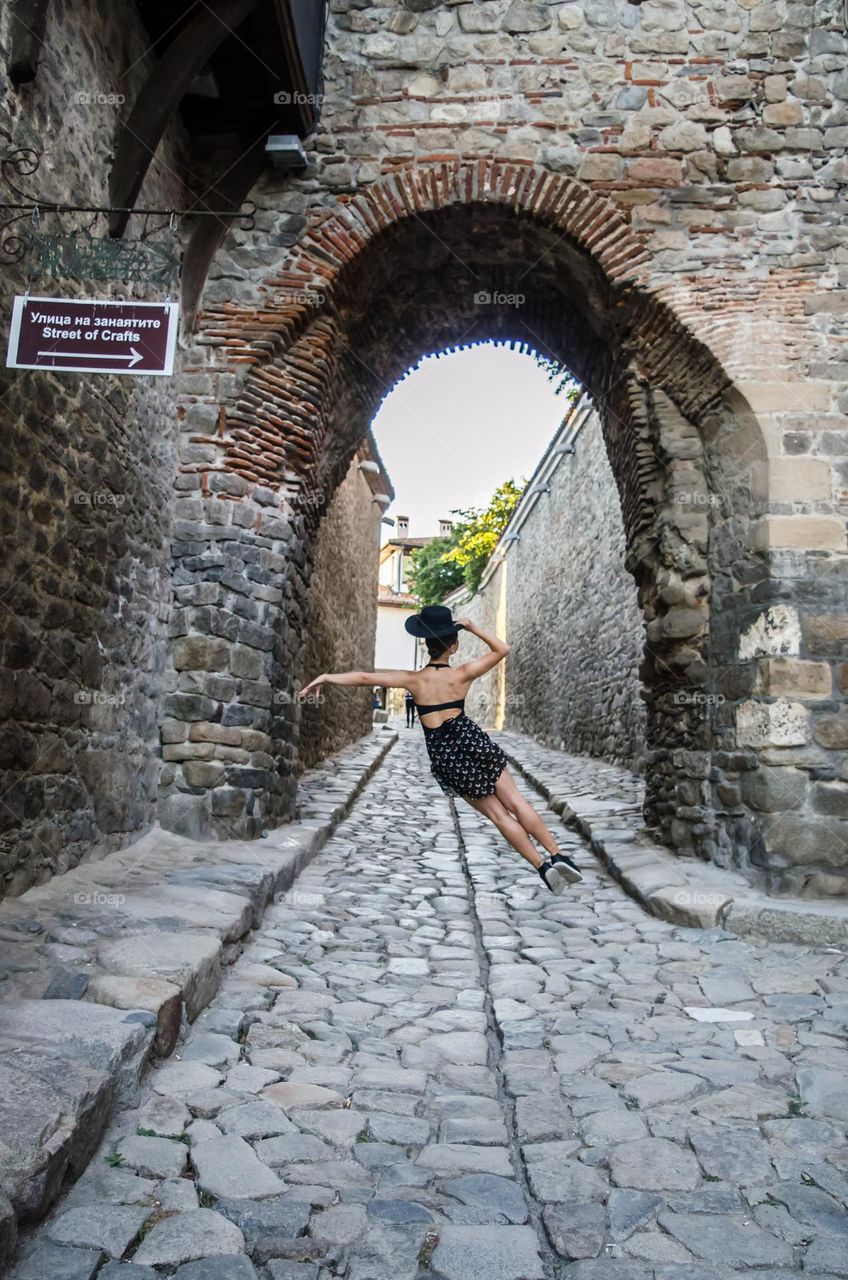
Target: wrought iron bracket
16,242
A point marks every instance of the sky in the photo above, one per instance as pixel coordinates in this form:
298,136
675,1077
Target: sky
459,426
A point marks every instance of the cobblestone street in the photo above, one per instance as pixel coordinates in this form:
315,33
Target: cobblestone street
425,1064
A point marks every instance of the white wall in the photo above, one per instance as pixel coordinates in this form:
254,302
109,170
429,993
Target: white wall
395,647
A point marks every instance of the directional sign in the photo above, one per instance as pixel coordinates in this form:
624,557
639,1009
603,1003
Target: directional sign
91,335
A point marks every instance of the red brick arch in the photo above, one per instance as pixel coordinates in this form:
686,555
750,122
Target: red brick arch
317,356
312,270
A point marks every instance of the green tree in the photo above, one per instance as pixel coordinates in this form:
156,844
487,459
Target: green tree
558,373
447,563
431,575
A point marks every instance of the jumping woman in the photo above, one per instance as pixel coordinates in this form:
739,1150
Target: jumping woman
463,759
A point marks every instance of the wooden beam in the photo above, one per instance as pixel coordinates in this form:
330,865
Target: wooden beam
162,93
28,22
229,192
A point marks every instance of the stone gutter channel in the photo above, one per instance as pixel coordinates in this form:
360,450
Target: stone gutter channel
102,967
547,1252
683,891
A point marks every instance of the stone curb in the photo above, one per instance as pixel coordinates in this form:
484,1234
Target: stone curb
83,1007
684,892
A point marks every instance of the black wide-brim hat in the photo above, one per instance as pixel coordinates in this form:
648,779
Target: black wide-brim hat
434,622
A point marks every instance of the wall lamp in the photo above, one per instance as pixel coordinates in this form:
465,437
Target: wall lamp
372,468
511,537
564,448
539,488
382,499
285,151
388,520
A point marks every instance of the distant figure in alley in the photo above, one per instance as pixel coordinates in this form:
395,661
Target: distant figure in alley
409,702
464,760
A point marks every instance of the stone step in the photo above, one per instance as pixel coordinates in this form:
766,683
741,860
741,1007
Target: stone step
100,968
683,891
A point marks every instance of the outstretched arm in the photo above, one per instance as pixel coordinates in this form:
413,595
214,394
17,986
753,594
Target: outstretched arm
385,679
479,666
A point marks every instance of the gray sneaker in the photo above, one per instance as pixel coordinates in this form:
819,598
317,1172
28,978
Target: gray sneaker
553,877
567,868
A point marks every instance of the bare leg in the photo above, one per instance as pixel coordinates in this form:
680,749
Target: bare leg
513,800
509,827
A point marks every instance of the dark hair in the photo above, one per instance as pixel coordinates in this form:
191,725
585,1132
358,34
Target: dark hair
440,644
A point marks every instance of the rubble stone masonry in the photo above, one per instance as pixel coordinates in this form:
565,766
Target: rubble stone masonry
652,194
561,596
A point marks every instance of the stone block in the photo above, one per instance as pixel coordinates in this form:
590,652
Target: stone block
692,907
185,1237
773,789
660,171
826,633
804,840
487,1253
201,653
810,532
831,798
784,397
155,994
201,731
179,751
203,773
191,961
794,678
775,724
831,731
800,480
599,167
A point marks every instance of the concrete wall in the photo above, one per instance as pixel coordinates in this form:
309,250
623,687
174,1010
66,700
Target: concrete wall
568,607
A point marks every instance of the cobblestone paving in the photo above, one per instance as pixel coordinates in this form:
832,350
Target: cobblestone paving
425,1064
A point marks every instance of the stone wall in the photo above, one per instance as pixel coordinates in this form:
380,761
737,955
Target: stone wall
651,194
341,618
566,604
88,476
662,187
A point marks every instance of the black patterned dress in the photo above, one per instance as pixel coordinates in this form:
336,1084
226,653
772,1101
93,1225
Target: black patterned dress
463,759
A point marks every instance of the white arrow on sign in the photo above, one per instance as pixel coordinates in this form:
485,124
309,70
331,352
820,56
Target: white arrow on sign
133,359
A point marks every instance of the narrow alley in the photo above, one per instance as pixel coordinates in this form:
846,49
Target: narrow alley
424,1064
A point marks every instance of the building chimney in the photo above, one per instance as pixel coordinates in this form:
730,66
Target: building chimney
445,528
402,526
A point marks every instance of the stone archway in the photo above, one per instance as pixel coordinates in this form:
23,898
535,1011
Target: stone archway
427,259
